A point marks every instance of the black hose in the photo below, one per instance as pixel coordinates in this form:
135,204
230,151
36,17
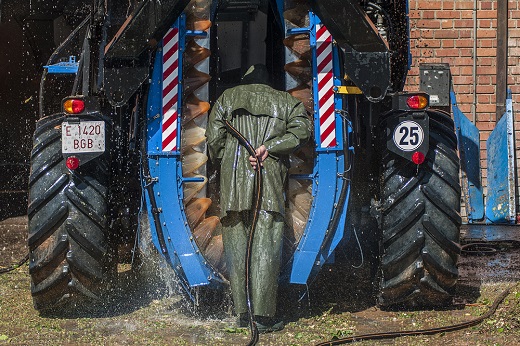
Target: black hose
257,200
53,56
478,249
14,266
386,14
430,331
149,188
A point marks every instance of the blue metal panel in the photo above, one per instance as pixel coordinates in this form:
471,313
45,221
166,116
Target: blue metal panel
340,231
500,205
280,7
469,149
483,233
314,20
64,67
310,254
166,172
343,177
410,57
306,255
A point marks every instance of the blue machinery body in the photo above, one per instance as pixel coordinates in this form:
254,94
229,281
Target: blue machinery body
167,184
166,171
318,242
499,205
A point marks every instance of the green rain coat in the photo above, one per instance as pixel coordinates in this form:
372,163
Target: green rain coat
277,120
264,116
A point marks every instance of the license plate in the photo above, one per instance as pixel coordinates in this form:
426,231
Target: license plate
83,137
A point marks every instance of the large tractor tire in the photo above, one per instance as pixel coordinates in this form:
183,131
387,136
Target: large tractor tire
71,255
420,221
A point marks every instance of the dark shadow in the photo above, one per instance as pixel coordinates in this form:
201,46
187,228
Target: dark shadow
349,283
337,289
12,204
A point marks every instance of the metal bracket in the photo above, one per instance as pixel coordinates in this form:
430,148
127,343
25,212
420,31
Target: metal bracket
163,153
64,67
360,44
349,90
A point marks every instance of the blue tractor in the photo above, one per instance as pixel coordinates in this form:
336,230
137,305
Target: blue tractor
120,143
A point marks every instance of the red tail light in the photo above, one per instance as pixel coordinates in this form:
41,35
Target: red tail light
418,158
74,106
417,102
72,162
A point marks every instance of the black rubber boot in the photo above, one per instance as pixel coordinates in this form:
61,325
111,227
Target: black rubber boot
268,324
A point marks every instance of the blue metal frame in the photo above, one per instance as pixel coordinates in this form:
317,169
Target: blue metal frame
501,199
280,6
314,20
409,55
468,138
166,172
64,67
166,176
500,205
328,175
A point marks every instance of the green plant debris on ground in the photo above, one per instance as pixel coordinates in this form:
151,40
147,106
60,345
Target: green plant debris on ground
167,321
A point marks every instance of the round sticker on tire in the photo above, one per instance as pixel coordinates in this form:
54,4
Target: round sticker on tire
408,135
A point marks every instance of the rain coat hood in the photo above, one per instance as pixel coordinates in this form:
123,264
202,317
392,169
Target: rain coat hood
256,74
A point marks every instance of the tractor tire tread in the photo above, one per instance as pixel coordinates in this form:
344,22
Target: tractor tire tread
67,265
420,221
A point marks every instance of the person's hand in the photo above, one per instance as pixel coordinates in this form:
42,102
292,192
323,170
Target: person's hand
261,154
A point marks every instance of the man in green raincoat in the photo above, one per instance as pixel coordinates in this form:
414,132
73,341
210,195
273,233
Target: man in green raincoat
276,124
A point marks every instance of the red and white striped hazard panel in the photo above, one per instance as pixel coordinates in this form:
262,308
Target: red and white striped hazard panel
325,87
170,89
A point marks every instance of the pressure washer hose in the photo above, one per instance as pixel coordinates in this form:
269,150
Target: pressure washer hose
257,200
430,331
14,266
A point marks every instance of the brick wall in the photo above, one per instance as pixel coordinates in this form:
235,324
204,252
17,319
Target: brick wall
442,32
